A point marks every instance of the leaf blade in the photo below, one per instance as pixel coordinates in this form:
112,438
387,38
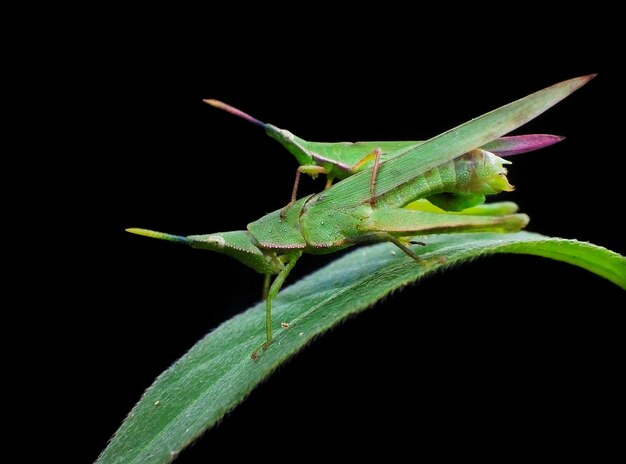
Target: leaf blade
448,145
217,373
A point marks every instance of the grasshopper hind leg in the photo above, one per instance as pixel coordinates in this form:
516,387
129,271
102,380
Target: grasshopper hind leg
421,261
375,155
397,242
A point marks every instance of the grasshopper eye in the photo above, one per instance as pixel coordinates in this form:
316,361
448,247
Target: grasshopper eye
288,135
216,240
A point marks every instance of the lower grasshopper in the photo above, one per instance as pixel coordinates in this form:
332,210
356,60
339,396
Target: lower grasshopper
340,160
344,215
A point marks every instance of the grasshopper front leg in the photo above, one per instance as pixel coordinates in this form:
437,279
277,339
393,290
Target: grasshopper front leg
269,296
315,170
312,170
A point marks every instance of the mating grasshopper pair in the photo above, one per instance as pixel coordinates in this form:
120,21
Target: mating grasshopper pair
371,205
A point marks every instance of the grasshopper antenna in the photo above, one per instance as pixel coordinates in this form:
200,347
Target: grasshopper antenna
235,111
159,235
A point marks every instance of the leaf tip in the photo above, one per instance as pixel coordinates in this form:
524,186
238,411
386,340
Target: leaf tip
585,78
571,85
582,80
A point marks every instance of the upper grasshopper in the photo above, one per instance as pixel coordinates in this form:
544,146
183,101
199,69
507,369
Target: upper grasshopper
340,160
447,165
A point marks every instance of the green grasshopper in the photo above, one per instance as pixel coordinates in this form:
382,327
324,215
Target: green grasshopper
342,159
344,215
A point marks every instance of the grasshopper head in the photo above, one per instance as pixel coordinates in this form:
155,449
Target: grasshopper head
295,145
239,244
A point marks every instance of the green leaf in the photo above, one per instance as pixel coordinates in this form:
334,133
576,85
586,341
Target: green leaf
448,145
217,373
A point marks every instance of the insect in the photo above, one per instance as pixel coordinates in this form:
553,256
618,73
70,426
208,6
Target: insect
342,159
447,165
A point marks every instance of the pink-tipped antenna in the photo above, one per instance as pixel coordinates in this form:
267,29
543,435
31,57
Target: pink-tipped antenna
233,110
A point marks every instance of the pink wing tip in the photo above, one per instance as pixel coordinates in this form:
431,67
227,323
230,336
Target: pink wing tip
516,144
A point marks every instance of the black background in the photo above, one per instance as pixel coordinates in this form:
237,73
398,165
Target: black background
511,351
